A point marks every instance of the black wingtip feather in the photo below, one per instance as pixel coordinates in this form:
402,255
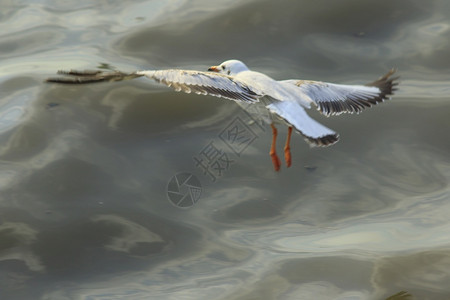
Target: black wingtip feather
90,76
323,141
386,84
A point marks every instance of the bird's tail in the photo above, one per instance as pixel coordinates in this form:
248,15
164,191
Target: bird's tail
91,76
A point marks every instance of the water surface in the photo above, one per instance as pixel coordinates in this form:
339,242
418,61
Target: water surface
84,209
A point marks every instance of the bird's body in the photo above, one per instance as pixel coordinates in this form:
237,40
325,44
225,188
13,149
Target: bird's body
284,99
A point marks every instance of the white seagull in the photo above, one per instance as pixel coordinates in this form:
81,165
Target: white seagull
286,99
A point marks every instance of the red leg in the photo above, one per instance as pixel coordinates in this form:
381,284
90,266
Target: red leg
273,152
287,148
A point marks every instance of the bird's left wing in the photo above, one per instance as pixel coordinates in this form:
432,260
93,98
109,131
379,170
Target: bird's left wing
293,113
206,83
335,99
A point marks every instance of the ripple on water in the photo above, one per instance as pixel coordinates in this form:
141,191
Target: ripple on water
14,108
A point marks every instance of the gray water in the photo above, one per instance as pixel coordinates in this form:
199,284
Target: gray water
85,171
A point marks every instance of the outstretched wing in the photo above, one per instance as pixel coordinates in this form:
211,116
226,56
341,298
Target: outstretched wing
294,114
335,99
206,83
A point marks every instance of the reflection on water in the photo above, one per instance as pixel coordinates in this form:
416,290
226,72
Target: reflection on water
84,170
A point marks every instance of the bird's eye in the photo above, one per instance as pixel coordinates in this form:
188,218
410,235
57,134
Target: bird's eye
223,67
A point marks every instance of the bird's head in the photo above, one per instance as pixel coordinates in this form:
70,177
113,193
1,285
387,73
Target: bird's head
229,67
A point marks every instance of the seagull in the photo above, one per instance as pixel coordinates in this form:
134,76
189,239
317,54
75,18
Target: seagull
286,100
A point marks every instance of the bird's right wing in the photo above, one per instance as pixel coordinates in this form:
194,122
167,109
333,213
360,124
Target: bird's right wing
206,83
335,99
293,113
90,76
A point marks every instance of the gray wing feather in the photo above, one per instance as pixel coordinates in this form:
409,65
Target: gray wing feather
335,99
210,83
